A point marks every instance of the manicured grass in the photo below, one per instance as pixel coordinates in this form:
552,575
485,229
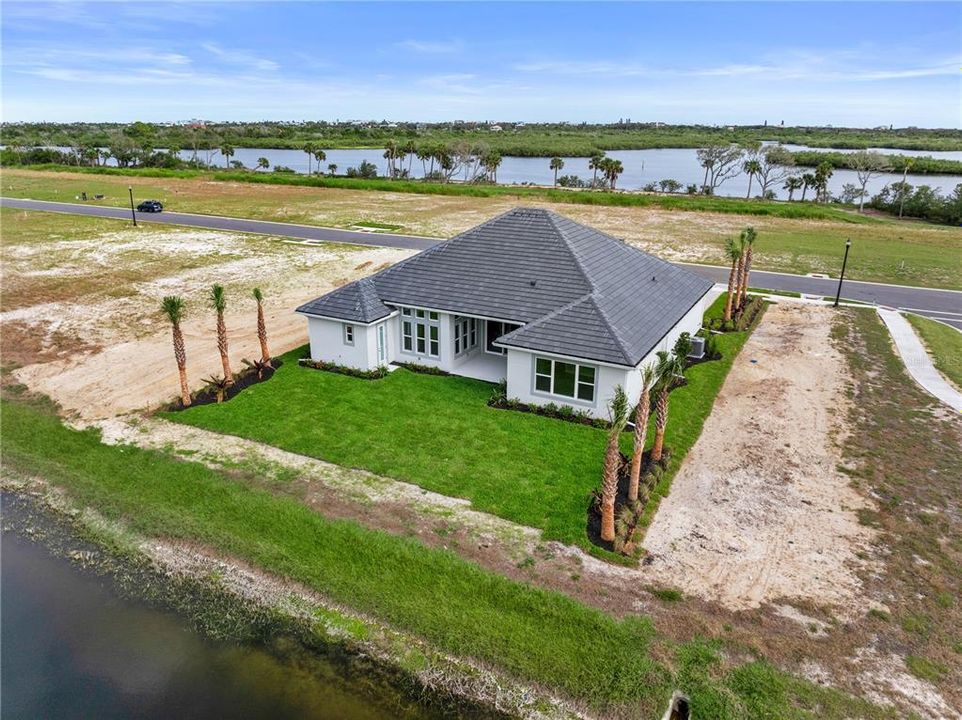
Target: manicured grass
538,636
439,433
944,344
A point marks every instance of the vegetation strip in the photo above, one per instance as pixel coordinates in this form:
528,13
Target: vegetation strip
538,636
943,343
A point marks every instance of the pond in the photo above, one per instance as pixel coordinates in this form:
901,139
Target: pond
74,649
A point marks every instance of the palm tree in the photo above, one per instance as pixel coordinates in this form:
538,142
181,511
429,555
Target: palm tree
808,181
218,301
668,368
618,412
332,168
641,430
556,165
320,156
263,162
748,236
219,386
612,169
227,150
262,326
733,250
752,168
594,164
309,149
173,307
792,184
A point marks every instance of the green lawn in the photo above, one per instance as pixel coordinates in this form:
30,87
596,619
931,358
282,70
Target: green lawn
944,344
438,432
542,637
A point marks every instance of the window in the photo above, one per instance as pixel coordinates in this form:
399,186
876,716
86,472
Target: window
557,377
348,334
465,334
495,330
420,332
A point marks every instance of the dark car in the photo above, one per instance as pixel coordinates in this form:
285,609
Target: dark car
150,206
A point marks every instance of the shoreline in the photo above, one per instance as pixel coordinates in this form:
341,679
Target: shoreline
223,599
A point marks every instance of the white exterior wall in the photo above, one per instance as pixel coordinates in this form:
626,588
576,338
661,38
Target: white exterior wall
327,343
521,371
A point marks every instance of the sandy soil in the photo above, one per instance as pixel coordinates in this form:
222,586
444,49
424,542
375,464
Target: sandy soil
105,349
758,511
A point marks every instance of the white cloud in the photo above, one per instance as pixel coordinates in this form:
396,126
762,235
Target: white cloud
431,47
240,57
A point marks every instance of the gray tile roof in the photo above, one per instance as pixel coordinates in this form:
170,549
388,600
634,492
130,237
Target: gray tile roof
579,291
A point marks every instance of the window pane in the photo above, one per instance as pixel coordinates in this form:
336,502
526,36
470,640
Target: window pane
434,348
494,332
434,316
420,329
586,392
407,342
420,313
434,333
420,345
457,345
405,311
543,367
586,374
542,383
564,379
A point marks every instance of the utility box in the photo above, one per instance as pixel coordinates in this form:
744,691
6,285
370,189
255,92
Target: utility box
697,348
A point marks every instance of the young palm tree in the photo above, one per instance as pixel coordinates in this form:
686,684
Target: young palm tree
262,327
332,168
733,251
227,150
309,149
320,156
218,302
751,168
556,164
668,369
792,184
808,181
748,236
641,430
594,164
618,412
219,386
173,307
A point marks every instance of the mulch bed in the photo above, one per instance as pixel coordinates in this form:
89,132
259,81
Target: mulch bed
242,380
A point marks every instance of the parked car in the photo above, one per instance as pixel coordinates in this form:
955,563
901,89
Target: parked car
150,206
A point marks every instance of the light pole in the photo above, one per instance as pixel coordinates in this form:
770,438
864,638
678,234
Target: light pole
133,214
838,293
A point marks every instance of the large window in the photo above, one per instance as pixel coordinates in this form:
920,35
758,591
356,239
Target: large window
420,332
465,334
495,330
557,377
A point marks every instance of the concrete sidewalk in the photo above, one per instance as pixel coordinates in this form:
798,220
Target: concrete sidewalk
917,360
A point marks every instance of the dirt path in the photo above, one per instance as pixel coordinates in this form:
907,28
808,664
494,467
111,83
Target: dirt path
758,511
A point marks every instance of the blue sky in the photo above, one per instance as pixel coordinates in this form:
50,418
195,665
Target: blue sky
861,64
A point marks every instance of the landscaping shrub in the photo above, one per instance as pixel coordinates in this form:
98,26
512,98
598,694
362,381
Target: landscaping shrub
423,369
375,374
242,380
563,412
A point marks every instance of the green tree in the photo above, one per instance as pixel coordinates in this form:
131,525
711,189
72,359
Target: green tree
867,165
174,308
733,251
309,149
747,238
642,412
808,181
792,184
263,163
670,370
217,300
751,168
227,150
261,327
618,414
595,164
556,164
320,156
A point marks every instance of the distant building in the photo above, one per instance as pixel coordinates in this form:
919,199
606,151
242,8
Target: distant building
495,128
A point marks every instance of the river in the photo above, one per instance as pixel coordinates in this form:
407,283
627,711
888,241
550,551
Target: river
641,168
74,649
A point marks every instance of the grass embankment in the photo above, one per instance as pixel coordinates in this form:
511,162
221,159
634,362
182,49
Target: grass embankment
679,202
905,453
901,252
944,344
540,637
439,433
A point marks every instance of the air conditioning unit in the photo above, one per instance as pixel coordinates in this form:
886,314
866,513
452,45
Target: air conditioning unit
697,348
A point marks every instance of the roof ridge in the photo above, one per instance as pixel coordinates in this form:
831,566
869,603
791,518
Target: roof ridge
552,216
611,328
550,315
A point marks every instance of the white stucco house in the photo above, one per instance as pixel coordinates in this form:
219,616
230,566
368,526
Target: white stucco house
561,311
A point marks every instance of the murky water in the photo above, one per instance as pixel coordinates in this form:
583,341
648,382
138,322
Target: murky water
73,649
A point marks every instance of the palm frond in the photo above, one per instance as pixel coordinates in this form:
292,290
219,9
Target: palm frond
174,308
217,298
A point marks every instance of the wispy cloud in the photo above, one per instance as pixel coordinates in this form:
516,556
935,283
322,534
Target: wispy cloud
240,57
431,47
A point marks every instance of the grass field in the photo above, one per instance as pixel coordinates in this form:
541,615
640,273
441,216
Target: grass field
538,636
439,433
901,252
944,344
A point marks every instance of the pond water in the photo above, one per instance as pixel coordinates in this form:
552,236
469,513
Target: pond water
74,649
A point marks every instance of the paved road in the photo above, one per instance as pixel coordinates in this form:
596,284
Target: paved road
944,305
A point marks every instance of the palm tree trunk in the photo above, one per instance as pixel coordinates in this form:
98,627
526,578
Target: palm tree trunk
641,429
609,489
746,274
180,354
262,335
222,347
661,422
804,190
731,289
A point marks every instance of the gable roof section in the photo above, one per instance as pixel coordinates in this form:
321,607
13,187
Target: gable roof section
578,291
356,302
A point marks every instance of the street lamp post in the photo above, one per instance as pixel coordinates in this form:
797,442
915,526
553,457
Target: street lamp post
838,293
133,214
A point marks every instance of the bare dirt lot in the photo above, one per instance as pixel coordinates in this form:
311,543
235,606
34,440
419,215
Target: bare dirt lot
759,512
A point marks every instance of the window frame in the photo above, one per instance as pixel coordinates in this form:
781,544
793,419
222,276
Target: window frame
489,347
421,332
465,334
581,381
348,334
